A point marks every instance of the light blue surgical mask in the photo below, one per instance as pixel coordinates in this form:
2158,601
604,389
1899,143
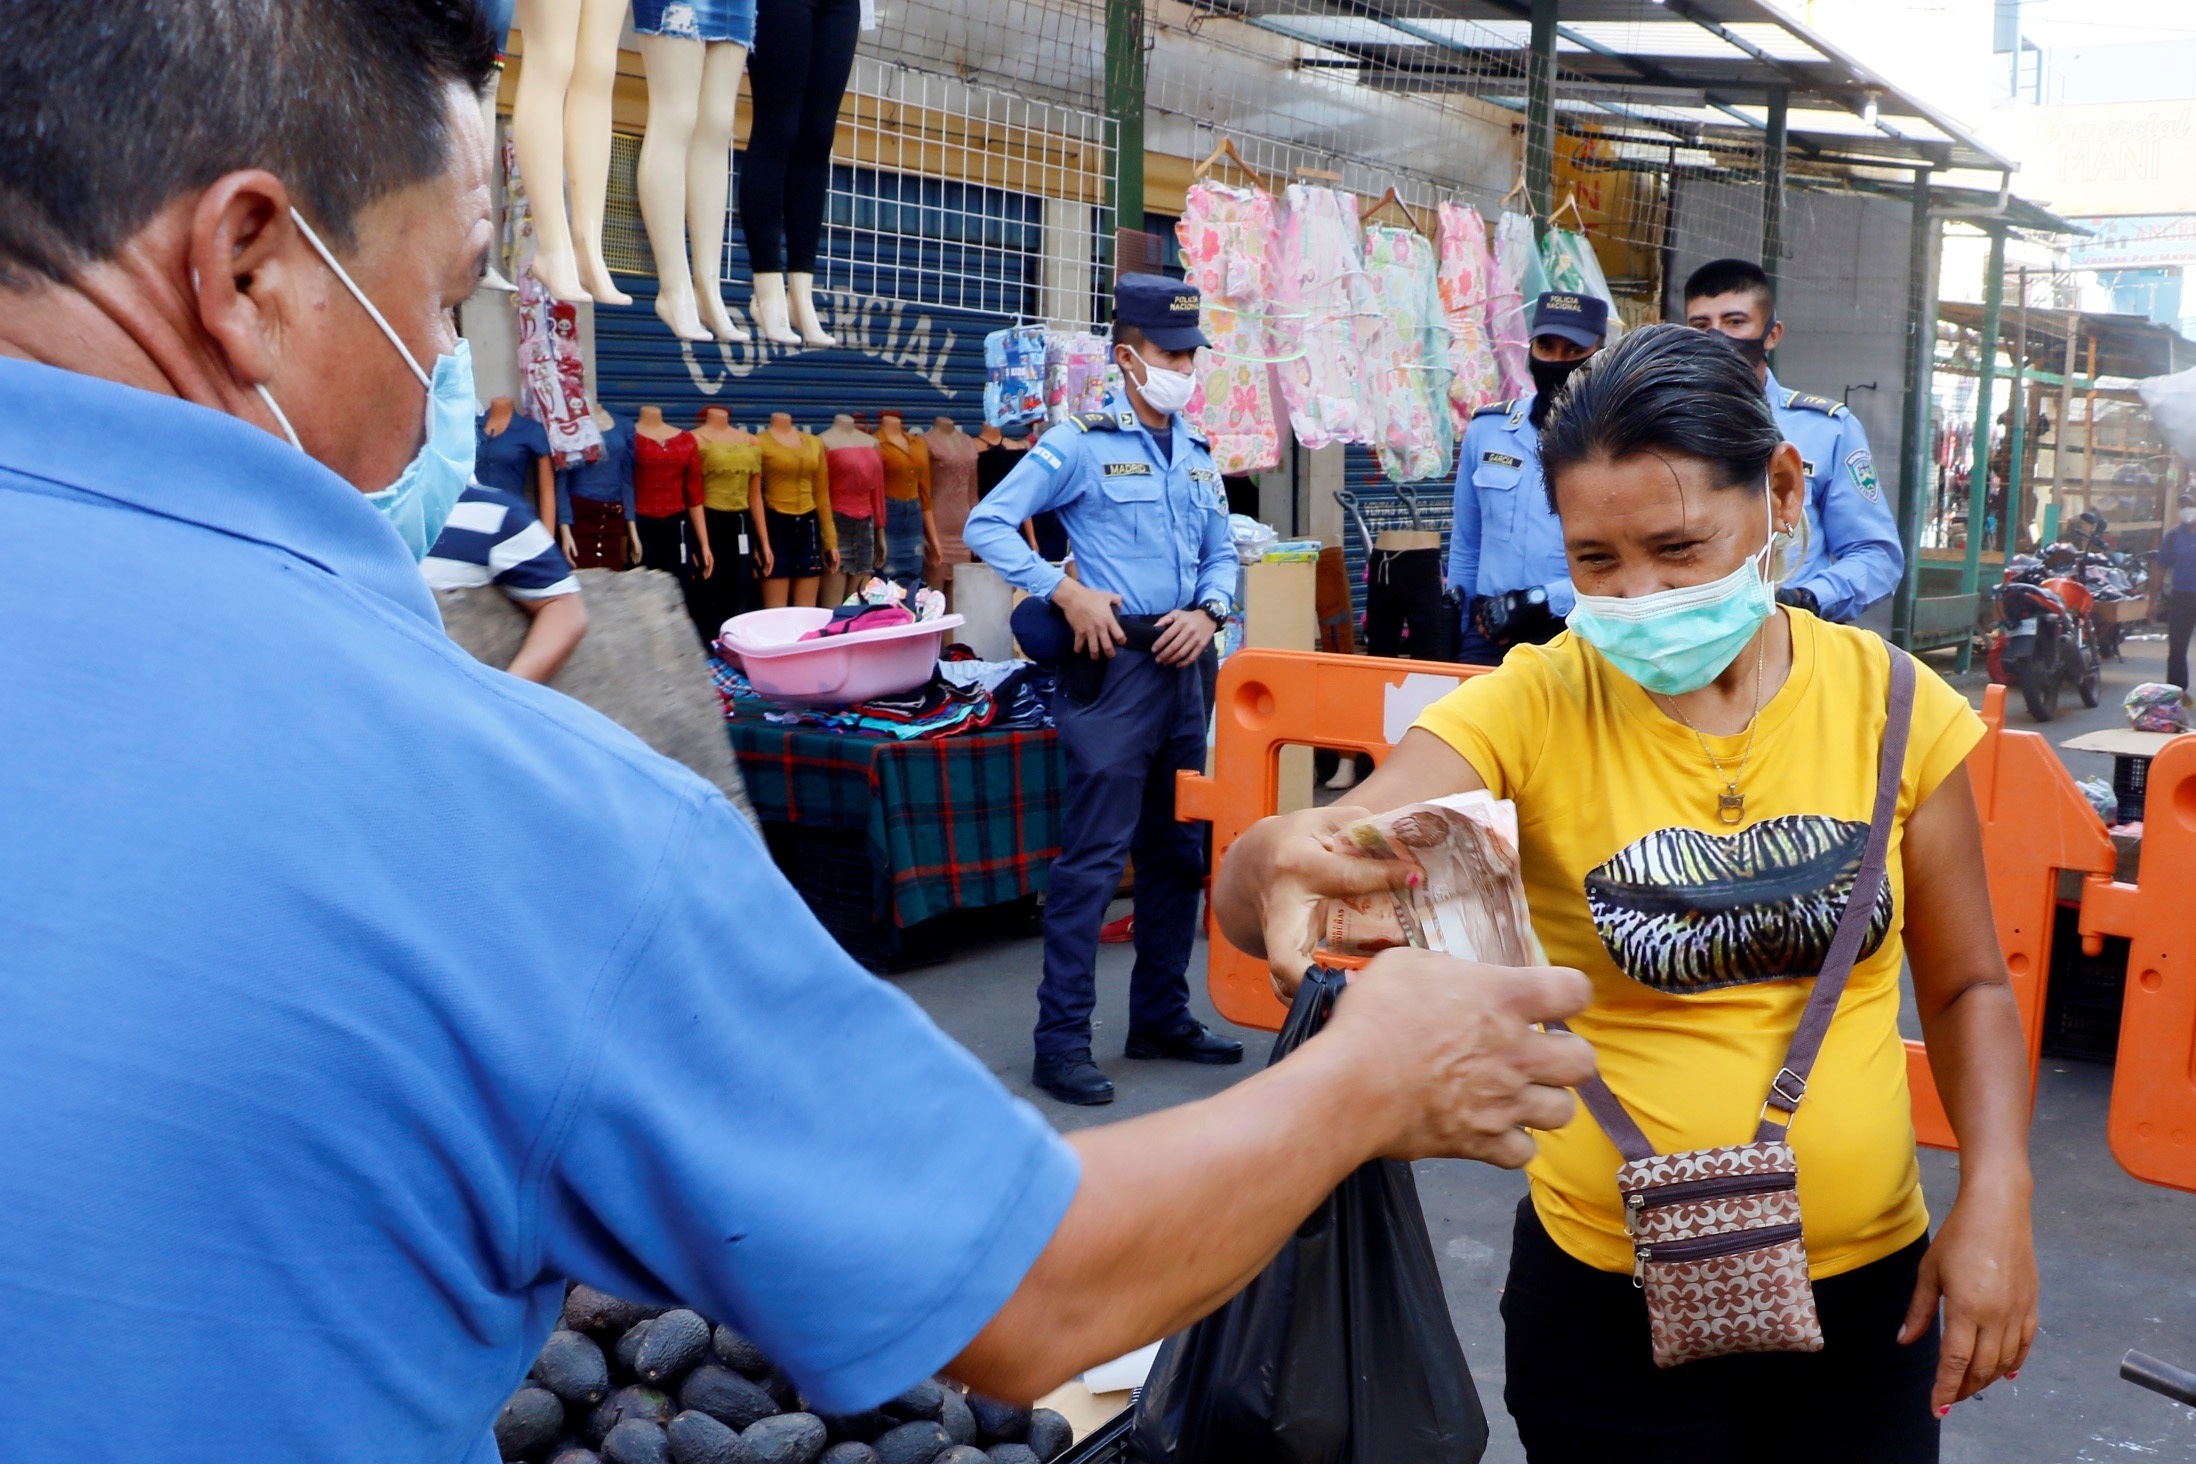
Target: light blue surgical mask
1675,641
418,503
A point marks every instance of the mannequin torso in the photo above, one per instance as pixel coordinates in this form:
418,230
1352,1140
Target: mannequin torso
953,455
651,425
843,433
783,432
500,412
718,427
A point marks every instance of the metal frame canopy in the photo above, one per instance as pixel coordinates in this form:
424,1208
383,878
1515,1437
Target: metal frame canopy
1699,71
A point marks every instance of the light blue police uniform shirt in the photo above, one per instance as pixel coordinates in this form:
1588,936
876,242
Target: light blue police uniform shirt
1505,536
1153,529
1853,555
356,994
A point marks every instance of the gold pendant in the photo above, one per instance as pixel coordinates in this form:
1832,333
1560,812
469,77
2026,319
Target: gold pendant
1731,807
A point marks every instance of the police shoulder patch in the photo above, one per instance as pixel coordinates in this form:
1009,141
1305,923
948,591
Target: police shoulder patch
1495,409
1050,457
1800,401
1860,466
1095,421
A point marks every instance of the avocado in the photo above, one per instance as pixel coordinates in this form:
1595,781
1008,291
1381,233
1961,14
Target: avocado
963,1454
960,1424
790,1438
645,1404
913,1443
575,1455
1013,1454
636,1441
1049,1434
738,1353
925,1400
529,1422
696,1438
675,1342
627,1351
780,1387
604,1315
849,1453
725,1396
573,1367
999,1423
861,1427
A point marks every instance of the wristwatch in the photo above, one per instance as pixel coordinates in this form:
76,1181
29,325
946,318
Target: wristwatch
1218,609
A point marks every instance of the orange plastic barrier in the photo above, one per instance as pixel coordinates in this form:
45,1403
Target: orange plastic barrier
2035,822
2153,1123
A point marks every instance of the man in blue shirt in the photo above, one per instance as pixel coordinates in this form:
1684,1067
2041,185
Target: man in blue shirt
1506,561
1146,512
2177,561
356,993
1852,558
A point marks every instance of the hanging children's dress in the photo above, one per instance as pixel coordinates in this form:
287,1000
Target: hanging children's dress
1407,368
1467,271
1229,237
1322,291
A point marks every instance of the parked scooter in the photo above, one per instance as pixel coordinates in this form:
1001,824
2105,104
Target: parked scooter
2043,641
2111,579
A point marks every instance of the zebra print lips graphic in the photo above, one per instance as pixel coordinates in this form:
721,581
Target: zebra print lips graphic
1683,911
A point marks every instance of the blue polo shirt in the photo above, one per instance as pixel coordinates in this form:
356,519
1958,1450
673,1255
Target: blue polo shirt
356,993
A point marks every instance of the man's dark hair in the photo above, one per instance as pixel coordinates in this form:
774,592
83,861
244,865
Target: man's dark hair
1730,276
108,112
1130,336
1669,390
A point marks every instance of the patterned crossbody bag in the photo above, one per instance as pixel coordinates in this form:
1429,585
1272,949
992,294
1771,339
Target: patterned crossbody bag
1716,1237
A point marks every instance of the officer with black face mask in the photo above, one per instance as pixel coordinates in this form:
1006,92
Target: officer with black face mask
1851,557
1506,565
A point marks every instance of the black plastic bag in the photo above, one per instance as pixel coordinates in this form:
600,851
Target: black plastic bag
1339,1352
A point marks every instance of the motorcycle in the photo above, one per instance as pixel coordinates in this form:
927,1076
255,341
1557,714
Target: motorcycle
2043,640
2112,580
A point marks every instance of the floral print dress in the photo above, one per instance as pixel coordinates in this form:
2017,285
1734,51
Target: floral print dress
1465,282
1328,304
1229,237
1407,365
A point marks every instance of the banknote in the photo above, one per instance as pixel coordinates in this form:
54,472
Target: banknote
1470,901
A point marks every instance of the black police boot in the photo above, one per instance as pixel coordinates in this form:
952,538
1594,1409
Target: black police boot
1073,1079
1193,1043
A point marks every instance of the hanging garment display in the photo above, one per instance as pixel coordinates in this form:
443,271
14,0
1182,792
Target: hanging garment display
1467,271
1519,280
1229,238
1321,286
550,364
1406,368
1014,375
1568,256
1079,371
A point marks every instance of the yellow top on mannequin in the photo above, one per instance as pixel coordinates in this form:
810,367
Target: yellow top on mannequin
797,480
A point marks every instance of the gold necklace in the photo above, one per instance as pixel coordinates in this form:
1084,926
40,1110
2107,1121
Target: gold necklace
1731,804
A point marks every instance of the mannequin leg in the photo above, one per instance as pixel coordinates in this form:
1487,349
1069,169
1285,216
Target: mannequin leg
675,67
774,593
709,184
587,140
492,278
808,172
776,89
805,590
537,128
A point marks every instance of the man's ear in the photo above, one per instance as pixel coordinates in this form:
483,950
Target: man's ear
247,276
1774,334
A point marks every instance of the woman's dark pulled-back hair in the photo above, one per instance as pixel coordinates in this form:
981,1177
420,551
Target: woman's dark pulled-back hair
1665,389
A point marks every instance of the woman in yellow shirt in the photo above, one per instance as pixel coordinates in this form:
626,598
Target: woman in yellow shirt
1693,768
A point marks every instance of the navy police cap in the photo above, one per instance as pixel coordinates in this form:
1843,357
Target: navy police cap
1164,310
1580,319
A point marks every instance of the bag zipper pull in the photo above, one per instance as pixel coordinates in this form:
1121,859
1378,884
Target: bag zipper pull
1641,1254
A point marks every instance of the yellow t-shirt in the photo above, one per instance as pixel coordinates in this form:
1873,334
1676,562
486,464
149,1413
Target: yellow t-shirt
728,473
1693,932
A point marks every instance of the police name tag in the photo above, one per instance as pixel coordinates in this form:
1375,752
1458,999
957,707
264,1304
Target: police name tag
1128,470
1203,475
1502,460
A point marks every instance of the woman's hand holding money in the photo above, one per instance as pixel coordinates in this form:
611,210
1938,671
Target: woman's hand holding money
1275,912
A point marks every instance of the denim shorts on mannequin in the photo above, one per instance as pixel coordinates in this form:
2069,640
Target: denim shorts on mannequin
697,20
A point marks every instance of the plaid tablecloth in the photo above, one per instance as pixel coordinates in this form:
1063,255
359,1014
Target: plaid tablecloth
953,822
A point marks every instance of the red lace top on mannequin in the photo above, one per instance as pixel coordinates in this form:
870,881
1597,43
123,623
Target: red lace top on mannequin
667,475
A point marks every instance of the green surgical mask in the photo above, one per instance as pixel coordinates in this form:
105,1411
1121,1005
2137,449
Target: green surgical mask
1675,641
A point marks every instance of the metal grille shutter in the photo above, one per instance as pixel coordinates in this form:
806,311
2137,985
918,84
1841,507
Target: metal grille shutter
896,350
1377,500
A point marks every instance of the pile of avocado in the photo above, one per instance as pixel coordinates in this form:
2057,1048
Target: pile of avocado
622,1383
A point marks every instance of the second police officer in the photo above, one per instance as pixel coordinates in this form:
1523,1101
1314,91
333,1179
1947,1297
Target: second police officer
1146,513
1852,556
1506,564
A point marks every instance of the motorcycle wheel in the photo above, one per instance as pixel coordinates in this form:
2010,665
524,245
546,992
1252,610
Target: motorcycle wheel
2040,689
2087,675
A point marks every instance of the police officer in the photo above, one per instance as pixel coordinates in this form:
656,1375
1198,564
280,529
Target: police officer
1506,564
1853,558
1144,508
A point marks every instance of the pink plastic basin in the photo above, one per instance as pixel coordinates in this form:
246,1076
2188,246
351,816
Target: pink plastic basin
834,671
